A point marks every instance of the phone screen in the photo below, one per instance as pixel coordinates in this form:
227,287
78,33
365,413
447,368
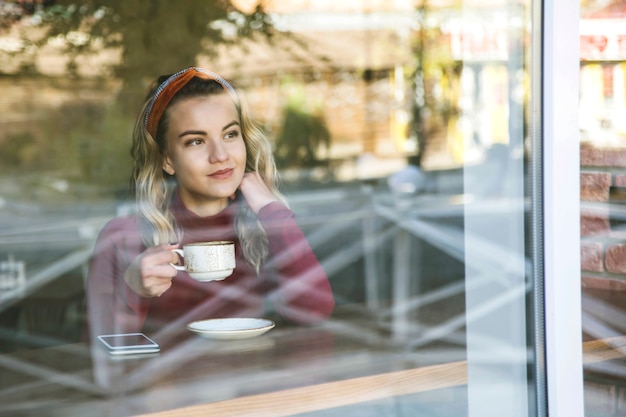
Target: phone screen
129,343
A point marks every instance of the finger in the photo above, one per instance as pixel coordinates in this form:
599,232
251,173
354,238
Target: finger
165,272
158,288
161,257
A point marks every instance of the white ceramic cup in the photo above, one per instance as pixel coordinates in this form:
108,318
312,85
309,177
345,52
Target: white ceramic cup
207,261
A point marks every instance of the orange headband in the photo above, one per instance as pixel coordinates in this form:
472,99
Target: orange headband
168,89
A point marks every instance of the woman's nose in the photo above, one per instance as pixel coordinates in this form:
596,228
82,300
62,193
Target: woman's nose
218,153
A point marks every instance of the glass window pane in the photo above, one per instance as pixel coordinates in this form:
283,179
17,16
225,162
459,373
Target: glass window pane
601,109
399,275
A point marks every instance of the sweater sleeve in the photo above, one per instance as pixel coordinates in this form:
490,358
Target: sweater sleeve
112,306
304,294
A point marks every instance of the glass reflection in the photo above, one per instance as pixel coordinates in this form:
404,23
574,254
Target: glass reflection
602,65
402,137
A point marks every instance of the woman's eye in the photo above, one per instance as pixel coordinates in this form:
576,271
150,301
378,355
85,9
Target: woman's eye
193,142
232,134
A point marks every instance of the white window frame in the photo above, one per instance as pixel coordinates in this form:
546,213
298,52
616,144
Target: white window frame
561,195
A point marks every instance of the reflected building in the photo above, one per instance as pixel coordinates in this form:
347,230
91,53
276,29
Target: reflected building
603,75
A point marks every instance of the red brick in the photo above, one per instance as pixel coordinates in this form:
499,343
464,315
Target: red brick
591,156
603,283
615,259
615,157
594,186
587,154
620,180
591,257
594,224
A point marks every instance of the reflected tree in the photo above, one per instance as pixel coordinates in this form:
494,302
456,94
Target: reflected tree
303,134
434,84
89,142
152,37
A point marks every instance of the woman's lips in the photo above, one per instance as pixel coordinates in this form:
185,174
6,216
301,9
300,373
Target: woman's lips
222,174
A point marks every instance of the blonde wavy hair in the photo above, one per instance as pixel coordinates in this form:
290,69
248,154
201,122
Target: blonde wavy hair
153,187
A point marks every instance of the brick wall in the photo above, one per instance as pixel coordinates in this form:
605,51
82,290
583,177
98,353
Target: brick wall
603,242
603,264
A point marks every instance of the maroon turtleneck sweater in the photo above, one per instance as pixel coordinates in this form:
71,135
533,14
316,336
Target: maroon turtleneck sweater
292,279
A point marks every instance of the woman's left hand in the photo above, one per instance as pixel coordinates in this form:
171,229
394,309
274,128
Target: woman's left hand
255,191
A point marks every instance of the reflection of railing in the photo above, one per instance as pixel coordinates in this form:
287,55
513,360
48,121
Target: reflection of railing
374,222
385,225
37,235
12,273
77,235
48,274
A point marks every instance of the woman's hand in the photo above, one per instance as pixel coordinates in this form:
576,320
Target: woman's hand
255,191
150,274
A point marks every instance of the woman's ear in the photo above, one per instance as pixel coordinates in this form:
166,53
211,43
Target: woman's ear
167,165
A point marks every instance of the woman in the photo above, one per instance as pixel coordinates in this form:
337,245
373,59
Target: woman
194,132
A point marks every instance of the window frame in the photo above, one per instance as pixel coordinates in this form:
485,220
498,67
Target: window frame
561,207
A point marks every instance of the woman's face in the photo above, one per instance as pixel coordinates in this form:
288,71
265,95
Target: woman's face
205,151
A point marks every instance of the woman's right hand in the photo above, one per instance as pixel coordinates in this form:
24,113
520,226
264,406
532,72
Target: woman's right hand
150,274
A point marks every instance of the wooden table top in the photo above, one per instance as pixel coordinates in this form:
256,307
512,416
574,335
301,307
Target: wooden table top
284,372
282,365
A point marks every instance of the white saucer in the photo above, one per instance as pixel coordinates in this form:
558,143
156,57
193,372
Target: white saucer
231,328
211,276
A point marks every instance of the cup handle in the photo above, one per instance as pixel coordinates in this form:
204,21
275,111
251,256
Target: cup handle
182,255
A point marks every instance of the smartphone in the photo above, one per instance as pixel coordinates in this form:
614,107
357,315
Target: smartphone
128,344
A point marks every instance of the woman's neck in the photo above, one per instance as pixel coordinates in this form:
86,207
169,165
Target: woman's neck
204,208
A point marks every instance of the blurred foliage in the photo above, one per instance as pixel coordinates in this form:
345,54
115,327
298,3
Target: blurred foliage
433,82
20,150
154,37
88,142
302,135
85,143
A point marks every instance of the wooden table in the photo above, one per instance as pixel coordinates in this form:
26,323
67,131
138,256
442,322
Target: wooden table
290,370
286,371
